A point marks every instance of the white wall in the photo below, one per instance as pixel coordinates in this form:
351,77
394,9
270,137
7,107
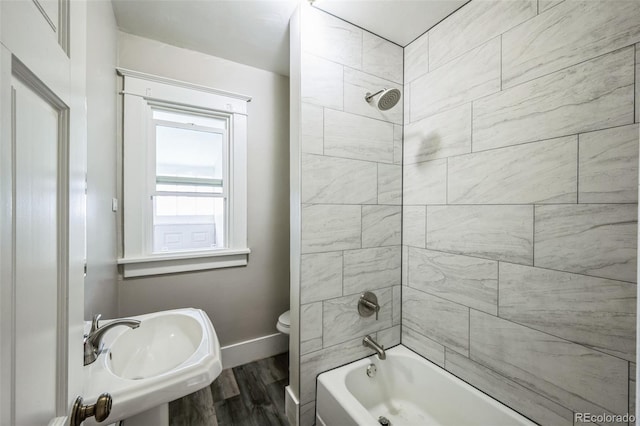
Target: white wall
101,281
243,303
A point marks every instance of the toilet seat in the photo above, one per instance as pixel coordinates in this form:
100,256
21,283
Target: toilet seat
284,323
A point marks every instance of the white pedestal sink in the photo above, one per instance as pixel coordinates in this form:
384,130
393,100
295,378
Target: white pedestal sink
170,355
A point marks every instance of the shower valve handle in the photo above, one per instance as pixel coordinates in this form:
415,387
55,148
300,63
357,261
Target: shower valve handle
373,306
368,304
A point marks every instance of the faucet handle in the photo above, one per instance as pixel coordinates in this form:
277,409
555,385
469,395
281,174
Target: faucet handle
368,304
94,322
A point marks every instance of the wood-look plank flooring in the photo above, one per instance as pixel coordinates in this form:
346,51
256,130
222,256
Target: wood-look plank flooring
248,395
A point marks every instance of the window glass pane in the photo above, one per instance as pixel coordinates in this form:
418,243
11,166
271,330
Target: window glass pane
188,158
187,223
184,118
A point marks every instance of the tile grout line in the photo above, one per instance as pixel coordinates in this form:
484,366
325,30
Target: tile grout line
578,168
527,81
517,144
487,205
323,121
342,272
388,121
472,256
378,183
407,114
360,160
498,289
552,6
501,62
468,334
471,130
421,335
354,25
500,374
564,339
628,380
444,357
426,219
528,327
437,23
531,79
442,297
559,70
428,49
352,249
322,302
408,267
361,49
321,323
446,182
342,88
402,224
533,239
352,68
361,230
530,18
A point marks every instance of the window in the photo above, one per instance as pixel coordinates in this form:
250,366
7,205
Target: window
191,187
184,185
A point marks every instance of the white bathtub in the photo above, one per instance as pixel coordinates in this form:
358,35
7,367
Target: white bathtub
407,390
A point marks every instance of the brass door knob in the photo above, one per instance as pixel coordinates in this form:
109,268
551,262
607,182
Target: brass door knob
100,410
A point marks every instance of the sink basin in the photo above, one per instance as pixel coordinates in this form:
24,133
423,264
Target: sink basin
159,345
170,355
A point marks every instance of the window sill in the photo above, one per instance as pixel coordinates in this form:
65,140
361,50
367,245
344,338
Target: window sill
183,262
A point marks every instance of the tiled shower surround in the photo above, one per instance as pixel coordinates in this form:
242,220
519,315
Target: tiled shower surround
520,194
514,197
351,194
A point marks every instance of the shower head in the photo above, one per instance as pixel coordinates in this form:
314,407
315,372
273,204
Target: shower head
387,100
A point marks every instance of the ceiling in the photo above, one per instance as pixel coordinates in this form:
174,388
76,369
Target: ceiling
399,21
256,33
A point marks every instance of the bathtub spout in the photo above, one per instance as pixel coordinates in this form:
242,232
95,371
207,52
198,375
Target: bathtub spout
370,343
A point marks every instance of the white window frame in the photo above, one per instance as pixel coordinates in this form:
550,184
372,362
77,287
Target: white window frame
142,93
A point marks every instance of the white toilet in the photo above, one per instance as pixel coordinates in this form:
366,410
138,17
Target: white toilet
284,323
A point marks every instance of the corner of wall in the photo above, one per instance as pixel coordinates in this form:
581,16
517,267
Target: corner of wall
293,390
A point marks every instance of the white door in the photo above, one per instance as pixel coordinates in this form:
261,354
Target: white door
42,209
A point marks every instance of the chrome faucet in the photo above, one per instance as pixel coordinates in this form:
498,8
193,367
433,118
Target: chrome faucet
93,340
370,343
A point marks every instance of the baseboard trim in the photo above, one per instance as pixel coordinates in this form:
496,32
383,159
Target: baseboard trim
291,407
254,349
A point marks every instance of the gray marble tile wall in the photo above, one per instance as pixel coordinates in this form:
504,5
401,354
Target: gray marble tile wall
351,195
520,191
